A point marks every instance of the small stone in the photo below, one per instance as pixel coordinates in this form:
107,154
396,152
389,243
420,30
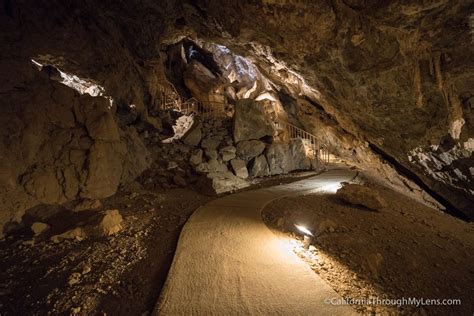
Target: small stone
172,165
326,225
74,278
39,227
28,242
76,233
110,223
86,269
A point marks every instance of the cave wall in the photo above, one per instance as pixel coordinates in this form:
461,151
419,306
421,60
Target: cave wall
394,74
58,145
398,75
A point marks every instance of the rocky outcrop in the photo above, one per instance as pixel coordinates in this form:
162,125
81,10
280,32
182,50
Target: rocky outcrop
59,145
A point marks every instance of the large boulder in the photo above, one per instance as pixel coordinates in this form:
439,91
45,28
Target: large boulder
248,149
283,158
278,158
193,135
299,158
251,121
240,168
220,182
227,153
202,82
211,142
105,224
361,195
259,167
105,170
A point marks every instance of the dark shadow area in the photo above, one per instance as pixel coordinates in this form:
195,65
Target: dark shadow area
450,208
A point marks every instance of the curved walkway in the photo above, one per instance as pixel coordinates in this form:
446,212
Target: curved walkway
228,262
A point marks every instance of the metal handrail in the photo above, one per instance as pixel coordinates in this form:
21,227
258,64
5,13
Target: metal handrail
317,151
192,106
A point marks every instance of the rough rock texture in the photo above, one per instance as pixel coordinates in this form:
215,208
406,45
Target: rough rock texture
259,167
396,76
221,182
251,121
240,168
58,145
110,224
194,135
386,72
284,158
37,228
248,149
361,195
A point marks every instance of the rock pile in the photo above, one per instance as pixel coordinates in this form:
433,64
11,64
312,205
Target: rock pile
216,158
227,153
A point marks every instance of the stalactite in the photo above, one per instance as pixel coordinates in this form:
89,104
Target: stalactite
417,85
437,69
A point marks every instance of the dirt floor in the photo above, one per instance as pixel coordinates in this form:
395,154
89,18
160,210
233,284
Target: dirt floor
405,250
117,275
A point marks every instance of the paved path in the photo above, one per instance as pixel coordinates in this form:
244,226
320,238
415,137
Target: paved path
229,263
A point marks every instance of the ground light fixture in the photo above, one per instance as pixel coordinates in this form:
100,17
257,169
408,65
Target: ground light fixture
307,236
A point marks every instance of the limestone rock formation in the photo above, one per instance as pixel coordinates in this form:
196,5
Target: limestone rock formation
110,224
194,135
67,145
248,149
360,195
227,153
251,121
284,158
221,182
240,168
259,167
378,81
